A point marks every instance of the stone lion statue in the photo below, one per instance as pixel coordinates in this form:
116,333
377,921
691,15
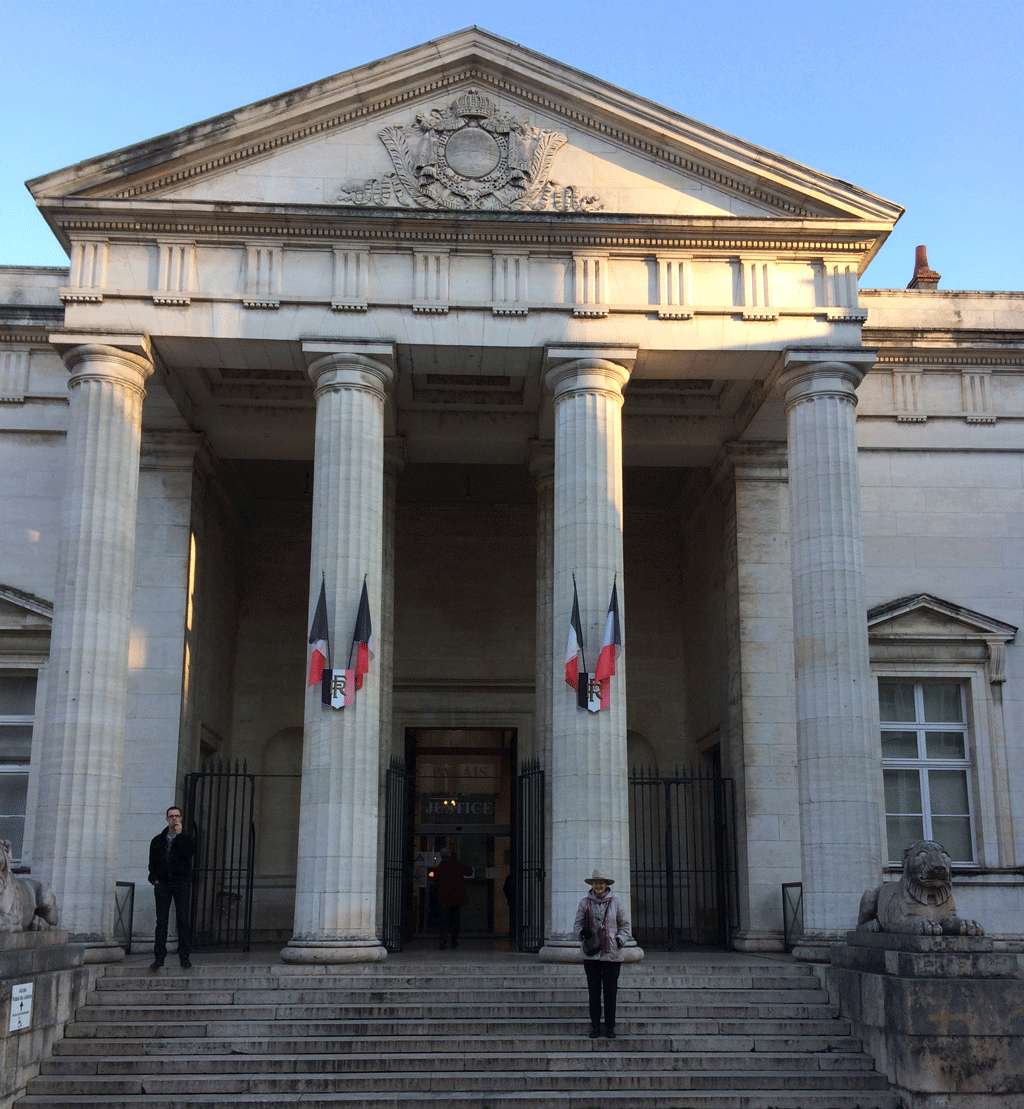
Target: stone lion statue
25,905
921,902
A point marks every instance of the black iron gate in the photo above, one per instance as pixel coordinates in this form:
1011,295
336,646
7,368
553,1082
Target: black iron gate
528,860
396,849
219,804
683,851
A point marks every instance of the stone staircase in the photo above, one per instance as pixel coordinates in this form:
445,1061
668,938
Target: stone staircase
729,1034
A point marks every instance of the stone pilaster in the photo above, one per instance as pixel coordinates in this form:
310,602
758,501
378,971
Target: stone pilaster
589,784
394,463
760,748
542,466
838,752
337,880
79,808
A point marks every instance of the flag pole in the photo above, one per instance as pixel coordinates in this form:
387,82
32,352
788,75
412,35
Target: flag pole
323,583
583,650
352,645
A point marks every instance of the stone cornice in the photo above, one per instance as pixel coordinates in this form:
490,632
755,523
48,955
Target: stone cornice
316,223
955,359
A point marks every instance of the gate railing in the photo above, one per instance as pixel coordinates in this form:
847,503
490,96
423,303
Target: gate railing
527,906
682,846
219,811
396,847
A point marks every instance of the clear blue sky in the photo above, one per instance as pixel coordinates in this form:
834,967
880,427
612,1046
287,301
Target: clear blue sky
918,101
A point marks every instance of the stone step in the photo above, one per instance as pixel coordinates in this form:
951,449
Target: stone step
346,1083
617,1056
464,996
467,1014
508,974
504,1099
456,1030
754,1035
529,1045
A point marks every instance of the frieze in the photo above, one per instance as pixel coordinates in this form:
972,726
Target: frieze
470,157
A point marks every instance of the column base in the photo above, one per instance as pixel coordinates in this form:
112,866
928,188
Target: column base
816,947
568,951
752,940
98,949
333,951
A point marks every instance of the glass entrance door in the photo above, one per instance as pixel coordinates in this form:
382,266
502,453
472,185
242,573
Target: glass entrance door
462,796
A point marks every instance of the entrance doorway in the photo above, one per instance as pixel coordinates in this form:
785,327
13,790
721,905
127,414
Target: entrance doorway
462,801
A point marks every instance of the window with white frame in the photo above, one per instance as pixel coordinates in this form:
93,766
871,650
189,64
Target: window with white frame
17,707
926,766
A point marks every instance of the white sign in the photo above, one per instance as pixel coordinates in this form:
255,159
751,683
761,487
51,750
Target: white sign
21,1006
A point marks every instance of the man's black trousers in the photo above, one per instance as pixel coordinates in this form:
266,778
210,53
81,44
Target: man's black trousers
179,893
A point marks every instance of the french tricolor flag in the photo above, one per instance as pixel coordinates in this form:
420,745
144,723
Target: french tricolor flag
611,648
319,639
574,645
362,638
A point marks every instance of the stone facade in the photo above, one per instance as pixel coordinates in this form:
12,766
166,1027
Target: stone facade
462,324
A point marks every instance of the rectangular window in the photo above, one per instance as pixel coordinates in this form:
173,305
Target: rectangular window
926,766
17,708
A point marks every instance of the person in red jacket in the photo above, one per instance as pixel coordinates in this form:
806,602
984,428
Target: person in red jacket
451,895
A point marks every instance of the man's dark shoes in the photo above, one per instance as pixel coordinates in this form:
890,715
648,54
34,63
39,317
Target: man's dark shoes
595,1032
186,963
610,1033
156,964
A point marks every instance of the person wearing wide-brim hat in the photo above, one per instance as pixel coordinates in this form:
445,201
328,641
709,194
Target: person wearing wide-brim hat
603,929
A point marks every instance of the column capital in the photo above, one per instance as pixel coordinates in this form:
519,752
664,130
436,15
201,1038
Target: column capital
815,373
574,369
128,364
367,368
129,342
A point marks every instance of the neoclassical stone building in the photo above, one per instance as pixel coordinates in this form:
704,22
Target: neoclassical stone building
466,325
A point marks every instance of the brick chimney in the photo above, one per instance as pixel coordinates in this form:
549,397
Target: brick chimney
924,278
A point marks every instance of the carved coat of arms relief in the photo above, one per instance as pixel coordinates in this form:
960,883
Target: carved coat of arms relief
470,157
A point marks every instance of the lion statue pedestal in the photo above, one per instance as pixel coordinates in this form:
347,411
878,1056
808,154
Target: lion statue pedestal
932,999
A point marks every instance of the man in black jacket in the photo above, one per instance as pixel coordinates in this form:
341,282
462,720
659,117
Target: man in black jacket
170,871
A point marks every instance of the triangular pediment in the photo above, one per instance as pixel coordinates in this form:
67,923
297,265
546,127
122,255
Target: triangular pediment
467,122
22,612
924,616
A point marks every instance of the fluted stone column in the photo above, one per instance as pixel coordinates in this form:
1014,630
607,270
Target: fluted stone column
589,784
79,808
337,879
838,754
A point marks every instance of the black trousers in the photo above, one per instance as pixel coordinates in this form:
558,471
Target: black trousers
602,977
165,893
449,920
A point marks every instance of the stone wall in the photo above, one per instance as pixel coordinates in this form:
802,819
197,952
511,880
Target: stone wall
59,979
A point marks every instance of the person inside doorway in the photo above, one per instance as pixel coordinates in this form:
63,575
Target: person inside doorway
603,929
452,894
170,872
